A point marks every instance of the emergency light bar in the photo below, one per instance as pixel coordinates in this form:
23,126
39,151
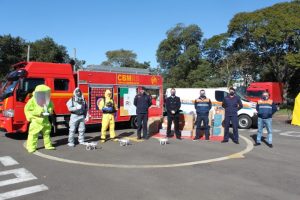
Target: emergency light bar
129,70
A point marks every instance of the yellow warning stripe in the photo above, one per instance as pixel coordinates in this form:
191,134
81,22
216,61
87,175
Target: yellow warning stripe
5,103
69,94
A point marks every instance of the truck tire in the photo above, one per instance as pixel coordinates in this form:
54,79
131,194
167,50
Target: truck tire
133,122
245,122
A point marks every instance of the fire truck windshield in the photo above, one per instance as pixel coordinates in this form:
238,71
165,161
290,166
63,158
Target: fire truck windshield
7,89
254,93
242,96
10,83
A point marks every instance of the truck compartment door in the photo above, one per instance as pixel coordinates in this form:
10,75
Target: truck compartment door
126,98
96,95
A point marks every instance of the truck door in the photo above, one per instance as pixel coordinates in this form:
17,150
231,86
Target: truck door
156,95
23,94
219,96
96,94
126,98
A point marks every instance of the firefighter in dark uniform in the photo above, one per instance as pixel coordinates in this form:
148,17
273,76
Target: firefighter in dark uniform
142,101
202,106
232,104
173,105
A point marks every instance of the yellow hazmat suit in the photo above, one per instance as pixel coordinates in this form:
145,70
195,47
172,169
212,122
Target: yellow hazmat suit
108,107
296,112
37,111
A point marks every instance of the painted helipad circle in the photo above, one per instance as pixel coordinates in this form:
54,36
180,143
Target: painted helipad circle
240,154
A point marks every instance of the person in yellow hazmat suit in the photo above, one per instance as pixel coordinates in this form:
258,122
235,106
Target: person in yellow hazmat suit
37,111
109,109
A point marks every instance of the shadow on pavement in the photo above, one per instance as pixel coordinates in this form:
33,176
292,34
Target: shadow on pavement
17,136
65,132
254,136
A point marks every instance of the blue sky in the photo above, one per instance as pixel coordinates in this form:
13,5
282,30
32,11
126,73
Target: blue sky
96,26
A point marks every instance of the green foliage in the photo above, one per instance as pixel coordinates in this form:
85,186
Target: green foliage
229,63
273,35
123,58
294,84
259,46
179,56
182,46
46,50
12,51
204,77
77,64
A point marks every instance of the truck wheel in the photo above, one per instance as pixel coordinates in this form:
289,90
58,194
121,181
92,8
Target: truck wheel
133,122
245,122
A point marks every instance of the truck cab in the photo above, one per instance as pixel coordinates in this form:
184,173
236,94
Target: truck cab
256,89
20,83
124,83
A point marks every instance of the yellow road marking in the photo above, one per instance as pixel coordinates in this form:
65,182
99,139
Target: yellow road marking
232,156
134,139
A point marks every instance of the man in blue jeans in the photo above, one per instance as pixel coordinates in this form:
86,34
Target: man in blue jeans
265,109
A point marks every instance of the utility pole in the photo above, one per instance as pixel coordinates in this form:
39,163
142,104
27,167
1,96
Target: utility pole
74,66
28,53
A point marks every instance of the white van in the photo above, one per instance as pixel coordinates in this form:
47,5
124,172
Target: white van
247,115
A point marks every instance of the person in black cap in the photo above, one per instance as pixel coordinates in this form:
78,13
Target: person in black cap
142,101
173,105
232,104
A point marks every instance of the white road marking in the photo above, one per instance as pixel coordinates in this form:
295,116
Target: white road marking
21,174
265,131
8,161
23,191
232,156
290,134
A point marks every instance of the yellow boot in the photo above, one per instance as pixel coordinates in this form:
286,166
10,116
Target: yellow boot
103,138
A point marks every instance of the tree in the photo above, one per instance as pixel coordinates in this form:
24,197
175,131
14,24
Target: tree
46,50
123,58
179,56
182,45
217,51
204,76
77,64
230,62
12,51
272,34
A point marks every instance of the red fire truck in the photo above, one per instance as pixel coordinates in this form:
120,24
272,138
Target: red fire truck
123,82
255,90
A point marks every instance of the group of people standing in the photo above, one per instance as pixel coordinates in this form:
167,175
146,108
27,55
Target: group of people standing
39,107
203,105
232,104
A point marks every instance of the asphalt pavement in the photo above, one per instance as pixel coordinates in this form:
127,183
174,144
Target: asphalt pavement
182,169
